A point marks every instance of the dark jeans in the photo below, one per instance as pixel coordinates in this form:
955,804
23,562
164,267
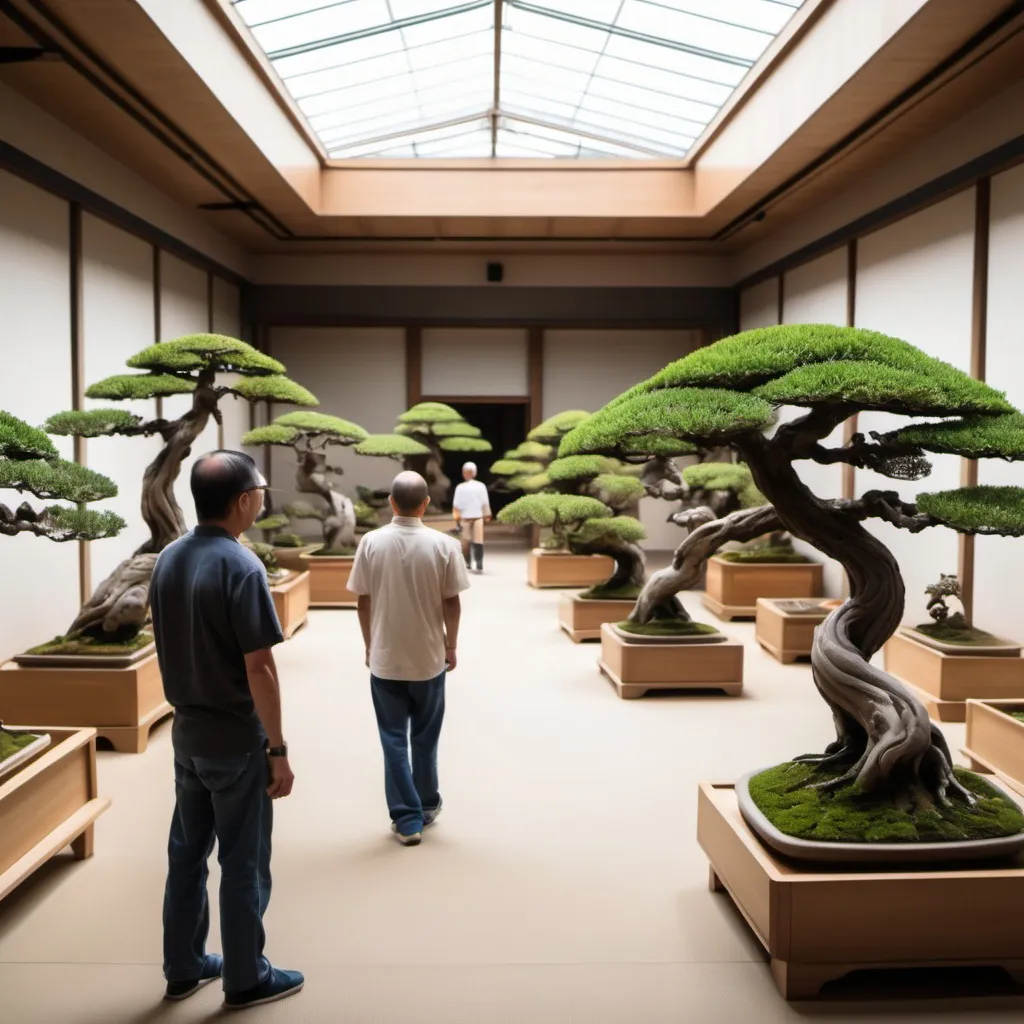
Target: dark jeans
409,717
223,798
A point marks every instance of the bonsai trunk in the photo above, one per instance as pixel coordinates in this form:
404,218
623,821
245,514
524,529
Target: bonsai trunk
661,479
884,737
431,468
630,564
340,522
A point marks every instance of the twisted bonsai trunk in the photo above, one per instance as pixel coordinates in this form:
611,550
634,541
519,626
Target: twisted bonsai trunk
431,468
661,479
630,563
339,524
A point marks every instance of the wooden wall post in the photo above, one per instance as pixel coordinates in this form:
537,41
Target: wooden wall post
77,336
535,374
413,366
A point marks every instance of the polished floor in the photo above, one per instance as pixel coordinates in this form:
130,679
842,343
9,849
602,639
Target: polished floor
563,883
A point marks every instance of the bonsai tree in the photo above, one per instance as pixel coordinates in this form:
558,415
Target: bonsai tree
399,447
439,428
311,434
885,745
190,365
272,526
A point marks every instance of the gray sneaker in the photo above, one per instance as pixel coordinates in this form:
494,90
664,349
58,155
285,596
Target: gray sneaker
429,817
413,839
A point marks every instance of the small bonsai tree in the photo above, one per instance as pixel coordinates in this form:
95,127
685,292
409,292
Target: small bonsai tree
275,535
885,746
311,434
439,428
190,365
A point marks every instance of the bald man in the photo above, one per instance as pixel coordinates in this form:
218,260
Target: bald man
471,507
408,578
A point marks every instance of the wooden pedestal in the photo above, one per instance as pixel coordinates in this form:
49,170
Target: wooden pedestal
637,668
121,704
328,579
48,803
557,569
583,619
732,588
291,558
820,924
786,635
944,682
291,601
995,741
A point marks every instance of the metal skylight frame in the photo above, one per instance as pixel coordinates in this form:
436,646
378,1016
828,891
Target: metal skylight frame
565,84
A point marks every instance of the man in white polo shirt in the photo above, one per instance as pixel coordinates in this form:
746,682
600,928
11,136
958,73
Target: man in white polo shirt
408,578
472,508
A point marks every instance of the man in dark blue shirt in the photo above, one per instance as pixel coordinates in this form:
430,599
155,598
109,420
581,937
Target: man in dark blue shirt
215,627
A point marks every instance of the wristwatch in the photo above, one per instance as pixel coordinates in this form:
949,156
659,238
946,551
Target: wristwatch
281,751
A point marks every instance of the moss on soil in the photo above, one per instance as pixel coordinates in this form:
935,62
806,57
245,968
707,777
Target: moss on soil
765,555
600,592
88,645
11,743
969,637
1019,715
668,627
847,816
333,553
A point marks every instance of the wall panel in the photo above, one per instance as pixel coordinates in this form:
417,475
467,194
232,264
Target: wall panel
759,305
35,299
227,319
474,361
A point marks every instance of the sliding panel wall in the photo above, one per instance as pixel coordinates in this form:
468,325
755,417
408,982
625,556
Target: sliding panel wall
999,561
40,577
226,317
474,362
759,305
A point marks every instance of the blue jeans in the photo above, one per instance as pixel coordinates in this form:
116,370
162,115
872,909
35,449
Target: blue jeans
409,717
223,798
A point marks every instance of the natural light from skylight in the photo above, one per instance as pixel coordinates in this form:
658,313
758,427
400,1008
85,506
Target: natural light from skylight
620,79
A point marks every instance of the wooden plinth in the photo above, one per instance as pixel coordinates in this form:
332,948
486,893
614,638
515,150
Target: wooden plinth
636,669
557,569
583,619
328,581
291,558
944,682
995,741
818,925
291,602
786,636
48,803
731,589
121,704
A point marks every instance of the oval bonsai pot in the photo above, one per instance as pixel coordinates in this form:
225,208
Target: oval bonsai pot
682,641
1002,649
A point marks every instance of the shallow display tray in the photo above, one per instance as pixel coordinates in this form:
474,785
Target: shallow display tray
582,618
1004,649
562,569
667,641
85,660
40,743
995,740
818,923
731,589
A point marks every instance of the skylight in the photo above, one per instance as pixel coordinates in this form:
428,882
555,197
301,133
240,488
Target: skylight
627,79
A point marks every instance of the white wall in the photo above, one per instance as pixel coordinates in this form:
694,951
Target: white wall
35,299
999,561
759,305
914,281
357,374
227,319
474,361
117,322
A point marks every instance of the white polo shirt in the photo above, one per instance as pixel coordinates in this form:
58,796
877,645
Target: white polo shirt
471,500
407,570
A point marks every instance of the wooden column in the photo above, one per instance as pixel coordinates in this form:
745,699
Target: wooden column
78,371
535,375
413,365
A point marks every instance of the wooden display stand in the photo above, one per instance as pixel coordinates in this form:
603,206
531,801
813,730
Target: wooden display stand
818,924
582,619
291,602
732,588
560,569
47,803
328,581
995,741
944,682
121,704
291,558
637,668
785,635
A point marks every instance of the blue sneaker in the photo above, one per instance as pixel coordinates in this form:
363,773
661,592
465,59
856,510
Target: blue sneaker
279,985
177,990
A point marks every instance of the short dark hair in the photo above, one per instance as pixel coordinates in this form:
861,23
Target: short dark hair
409,491
218,478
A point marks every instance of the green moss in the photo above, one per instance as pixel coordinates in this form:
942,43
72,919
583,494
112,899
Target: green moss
545,509
55,478
668,627
392,446
198,351
765,554
344,552
554,428
952,634
274,389
12,742
1019,715
603,592
783,795
464,444
615,528
89,645
318,423
974,437
20,441
617,490
998,510
91,422
127,386
430,412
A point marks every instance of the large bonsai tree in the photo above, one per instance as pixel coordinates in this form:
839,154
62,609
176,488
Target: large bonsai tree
189,365
311,435
725,394
439,428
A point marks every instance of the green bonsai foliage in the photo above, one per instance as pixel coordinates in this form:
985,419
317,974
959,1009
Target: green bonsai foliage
726,394
554,428
524,468
265,553
188,365
29,464
732,478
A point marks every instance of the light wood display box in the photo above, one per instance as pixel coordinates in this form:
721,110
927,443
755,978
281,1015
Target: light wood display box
328,581
121,704
786,636
944,682
291,602
731,589
820,924
291,558
582,619
995,741
559,569
48,803
637,668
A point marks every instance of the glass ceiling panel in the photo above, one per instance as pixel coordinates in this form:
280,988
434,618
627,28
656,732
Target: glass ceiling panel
573,79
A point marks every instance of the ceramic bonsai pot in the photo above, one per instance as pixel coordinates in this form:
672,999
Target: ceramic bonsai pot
732,588
291,558
562,569
582,618
291,601
328,580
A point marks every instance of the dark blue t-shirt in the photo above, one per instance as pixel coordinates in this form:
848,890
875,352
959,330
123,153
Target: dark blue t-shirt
211,606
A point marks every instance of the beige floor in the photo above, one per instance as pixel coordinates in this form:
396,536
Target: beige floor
562,884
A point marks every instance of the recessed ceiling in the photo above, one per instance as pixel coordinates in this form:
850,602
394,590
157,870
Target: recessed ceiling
618,79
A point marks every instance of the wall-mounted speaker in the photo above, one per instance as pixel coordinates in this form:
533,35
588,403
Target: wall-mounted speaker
495,272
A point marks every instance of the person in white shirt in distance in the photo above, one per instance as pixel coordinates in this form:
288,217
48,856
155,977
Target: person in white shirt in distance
471,507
